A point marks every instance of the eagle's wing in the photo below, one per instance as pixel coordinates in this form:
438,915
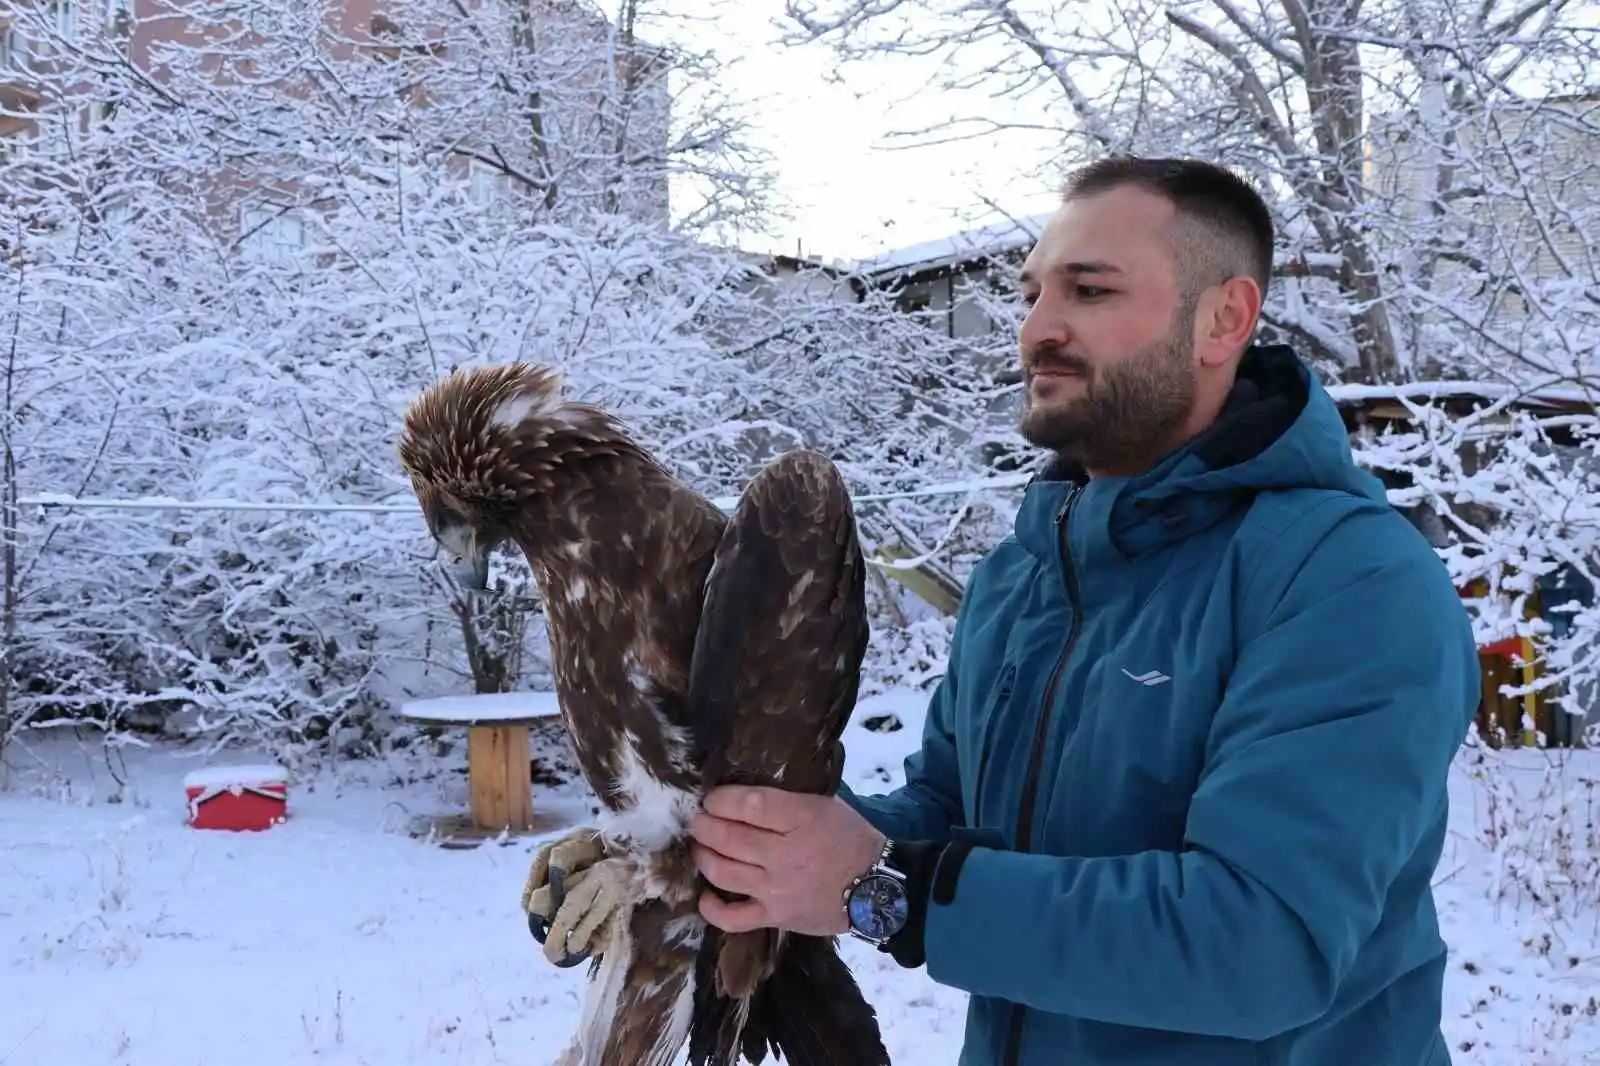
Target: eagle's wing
783,631
775,675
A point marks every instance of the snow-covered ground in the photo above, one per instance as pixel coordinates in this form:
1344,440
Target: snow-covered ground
126,938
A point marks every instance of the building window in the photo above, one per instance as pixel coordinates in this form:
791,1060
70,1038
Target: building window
13,50
115,17
912,302
487,184
270,236
63,18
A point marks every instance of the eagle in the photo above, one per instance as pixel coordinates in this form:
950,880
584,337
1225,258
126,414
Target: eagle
690,649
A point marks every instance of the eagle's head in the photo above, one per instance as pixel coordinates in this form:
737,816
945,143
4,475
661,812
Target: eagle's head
484,445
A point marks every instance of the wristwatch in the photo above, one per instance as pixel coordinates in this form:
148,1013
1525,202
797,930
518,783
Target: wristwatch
877,903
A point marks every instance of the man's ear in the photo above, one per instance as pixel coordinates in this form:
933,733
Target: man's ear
1225,320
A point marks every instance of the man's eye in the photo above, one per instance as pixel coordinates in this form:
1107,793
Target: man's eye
1092,292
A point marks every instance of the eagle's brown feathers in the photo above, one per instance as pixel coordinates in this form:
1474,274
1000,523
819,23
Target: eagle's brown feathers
775,676
662,704
495,454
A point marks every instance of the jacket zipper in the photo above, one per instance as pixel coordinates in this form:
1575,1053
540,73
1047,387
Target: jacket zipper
1041,730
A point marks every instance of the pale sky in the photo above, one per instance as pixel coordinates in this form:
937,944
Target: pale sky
851,193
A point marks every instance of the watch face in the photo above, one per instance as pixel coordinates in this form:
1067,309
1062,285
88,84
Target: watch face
878,907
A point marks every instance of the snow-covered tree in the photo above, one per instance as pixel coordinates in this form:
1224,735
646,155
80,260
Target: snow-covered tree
1433,170
236,252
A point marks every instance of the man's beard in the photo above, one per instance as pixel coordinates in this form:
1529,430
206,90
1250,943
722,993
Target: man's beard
1128,413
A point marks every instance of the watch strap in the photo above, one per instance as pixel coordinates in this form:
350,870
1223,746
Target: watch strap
918,862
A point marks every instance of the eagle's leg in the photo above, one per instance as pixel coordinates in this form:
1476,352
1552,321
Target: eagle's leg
593,898
552,875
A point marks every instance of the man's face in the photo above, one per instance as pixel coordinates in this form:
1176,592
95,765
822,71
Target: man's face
1107,350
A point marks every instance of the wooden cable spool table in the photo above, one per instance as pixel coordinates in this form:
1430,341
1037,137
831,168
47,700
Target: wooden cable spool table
499,781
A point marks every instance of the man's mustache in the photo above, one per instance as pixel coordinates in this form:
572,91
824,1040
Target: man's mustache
1053,361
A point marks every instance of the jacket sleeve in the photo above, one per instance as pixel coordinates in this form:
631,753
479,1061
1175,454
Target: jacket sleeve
929,803
1327,767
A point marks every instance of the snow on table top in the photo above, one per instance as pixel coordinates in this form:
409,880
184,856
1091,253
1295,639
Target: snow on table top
251,775
485,708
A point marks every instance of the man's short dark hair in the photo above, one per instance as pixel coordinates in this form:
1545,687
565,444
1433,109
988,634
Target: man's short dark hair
1229,228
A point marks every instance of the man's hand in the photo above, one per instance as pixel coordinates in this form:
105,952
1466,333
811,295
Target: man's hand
792,853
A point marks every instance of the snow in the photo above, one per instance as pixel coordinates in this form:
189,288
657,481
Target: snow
484,708
252,775
1426,391
187,389
726,503
128,939
996,239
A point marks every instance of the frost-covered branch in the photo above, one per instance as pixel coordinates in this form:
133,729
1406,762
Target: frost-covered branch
236,254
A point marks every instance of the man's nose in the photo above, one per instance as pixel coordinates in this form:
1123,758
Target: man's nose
1044,326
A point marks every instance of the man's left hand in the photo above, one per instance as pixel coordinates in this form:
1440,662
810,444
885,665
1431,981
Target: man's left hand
792,853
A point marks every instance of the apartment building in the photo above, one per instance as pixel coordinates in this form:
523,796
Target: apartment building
57,58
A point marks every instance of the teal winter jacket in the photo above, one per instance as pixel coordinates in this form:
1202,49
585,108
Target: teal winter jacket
1182,789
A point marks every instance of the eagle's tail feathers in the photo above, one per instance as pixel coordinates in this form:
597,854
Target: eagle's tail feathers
719,1020
810,1012
745,960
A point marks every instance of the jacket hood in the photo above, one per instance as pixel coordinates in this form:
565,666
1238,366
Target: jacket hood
1279,429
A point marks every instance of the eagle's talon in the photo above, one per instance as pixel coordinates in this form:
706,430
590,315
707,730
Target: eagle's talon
557,897
540,922
539,926
567,962
554,865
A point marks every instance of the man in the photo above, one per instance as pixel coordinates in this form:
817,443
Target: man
1182,789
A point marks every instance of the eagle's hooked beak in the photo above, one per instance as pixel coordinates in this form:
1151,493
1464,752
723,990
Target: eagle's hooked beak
469,561
471,571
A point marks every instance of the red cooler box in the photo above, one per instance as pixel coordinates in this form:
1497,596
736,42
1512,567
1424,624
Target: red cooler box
237,797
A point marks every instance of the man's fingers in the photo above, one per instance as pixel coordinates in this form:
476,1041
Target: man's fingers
765,808
728,874
737,840
738,917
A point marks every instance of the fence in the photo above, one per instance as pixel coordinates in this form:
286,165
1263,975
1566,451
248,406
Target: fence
919,573
726,503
